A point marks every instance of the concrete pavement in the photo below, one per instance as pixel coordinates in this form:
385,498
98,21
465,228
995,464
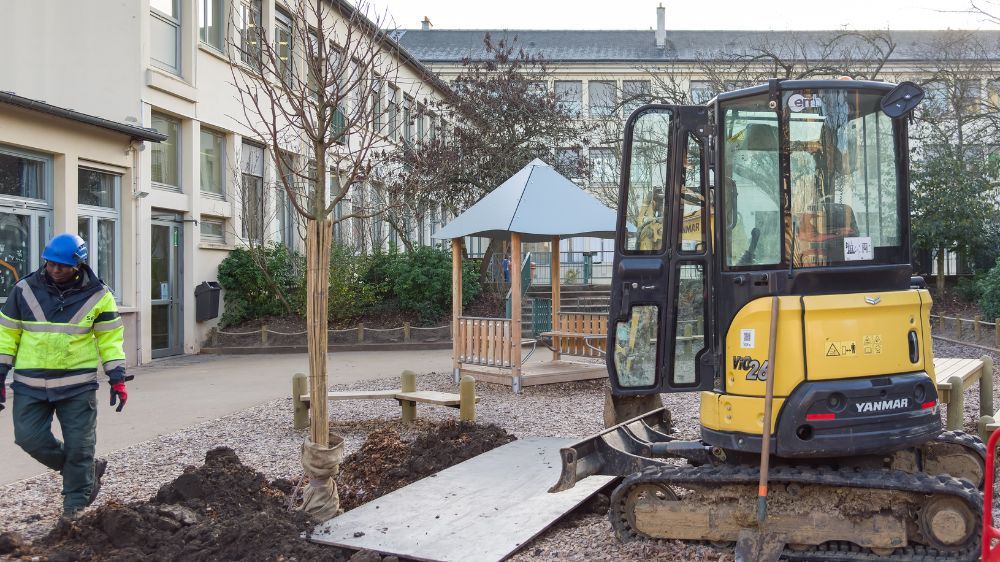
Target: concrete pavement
174,393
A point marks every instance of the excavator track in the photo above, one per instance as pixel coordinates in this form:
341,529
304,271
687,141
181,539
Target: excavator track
940,489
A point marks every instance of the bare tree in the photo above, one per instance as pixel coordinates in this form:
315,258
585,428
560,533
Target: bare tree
311,89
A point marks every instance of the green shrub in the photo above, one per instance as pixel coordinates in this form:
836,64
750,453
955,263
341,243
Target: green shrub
350,295
263,281
968,288
422,282
989,289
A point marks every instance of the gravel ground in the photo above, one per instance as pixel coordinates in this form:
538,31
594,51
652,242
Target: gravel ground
31,506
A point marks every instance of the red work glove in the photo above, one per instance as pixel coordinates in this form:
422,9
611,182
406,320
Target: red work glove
118,393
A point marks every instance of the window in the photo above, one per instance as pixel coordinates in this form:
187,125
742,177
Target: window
421,126
537,89
213,230
213,162
283,45
432,126
407,120
254,200
603,98
936,100
635,93
568,162
378,104
249,32
570,95
969,93
393,112
25,214
701,91
164,34
165,165
603,170
99,223
211,22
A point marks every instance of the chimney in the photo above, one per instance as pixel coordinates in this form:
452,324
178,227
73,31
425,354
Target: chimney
661,27
426,24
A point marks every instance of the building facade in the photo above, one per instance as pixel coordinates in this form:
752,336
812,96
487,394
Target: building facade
159,216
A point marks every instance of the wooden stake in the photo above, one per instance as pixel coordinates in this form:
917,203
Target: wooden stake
556,294
467,400
515,309
456,305
408,383
318,239
300,411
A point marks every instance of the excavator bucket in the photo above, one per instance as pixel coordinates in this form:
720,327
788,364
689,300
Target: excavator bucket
626,448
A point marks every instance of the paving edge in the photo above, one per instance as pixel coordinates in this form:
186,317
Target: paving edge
332,348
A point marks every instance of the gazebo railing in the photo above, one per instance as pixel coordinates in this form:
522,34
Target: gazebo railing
486,342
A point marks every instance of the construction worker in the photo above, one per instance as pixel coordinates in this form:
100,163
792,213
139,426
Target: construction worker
55,327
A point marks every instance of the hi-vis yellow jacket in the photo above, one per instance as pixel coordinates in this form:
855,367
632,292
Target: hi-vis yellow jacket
55,338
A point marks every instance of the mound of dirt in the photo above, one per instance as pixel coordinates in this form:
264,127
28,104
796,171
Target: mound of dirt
225,510
387,462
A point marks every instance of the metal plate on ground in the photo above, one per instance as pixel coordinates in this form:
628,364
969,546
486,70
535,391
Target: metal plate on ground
482,509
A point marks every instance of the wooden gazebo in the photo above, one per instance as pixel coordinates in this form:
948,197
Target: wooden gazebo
536,204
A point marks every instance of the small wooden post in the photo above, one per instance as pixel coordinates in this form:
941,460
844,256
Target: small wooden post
408,383
214,337
406,332
688,336
263,335
300,411
467,399
361,333
456,306
556,292
986,387
956,405
975,324
515,310
958,328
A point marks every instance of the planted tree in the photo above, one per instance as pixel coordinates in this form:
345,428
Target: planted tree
310,93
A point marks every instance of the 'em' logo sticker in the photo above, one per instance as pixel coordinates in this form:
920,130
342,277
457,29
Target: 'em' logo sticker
798,102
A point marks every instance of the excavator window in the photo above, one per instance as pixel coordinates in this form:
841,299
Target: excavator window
692,238
842,163
647,183
752,193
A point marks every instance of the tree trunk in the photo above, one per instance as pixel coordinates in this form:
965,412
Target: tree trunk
319,236
940,272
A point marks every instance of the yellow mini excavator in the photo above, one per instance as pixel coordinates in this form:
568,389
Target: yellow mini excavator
763,261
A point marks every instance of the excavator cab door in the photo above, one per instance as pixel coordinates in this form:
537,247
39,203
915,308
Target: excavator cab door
660,328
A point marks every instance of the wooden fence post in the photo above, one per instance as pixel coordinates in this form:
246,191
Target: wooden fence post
958,328
300,411
406,332
408,383
263,335
467,399
956,406
975,329
361,333
986,387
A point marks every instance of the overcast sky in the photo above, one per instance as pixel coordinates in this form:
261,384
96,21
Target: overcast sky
687,14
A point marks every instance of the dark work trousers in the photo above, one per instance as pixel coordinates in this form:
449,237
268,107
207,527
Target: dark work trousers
74,458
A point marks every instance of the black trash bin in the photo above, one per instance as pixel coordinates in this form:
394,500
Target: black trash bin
206,298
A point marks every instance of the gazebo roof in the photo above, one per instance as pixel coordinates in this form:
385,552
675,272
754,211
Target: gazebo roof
537,202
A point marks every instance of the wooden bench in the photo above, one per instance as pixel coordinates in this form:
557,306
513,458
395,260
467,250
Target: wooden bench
954,376
465,400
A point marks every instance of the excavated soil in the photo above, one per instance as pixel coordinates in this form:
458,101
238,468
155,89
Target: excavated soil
225,510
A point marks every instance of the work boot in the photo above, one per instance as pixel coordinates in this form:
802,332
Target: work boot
71,514
100,465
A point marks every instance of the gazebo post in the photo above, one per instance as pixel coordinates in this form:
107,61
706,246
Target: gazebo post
556,289
515,310
456,307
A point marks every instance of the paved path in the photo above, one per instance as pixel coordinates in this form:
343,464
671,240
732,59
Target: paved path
175,393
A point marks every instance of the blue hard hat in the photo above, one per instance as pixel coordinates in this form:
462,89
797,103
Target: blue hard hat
66,248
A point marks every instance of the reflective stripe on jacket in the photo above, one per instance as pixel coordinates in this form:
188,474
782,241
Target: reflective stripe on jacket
54,339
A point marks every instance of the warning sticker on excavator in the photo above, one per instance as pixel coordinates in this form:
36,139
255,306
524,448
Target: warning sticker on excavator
872,345
841,348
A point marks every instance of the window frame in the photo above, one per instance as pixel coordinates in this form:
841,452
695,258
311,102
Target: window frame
245,231
219,10
607,107
284,21
220,136
249,28
572,105
93,214
38,211
212,238
177,153
175,23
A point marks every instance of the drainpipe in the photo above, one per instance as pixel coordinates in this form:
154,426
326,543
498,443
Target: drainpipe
137,249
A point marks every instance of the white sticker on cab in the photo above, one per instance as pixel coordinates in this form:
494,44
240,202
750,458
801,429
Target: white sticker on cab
858,248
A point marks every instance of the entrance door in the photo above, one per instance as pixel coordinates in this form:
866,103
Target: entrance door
166,295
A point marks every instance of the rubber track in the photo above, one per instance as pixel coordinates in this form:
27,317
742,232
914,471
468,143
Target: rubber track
964,439
875,479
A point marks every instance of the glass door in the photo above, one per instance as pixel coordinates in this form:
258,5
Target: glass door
166,298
